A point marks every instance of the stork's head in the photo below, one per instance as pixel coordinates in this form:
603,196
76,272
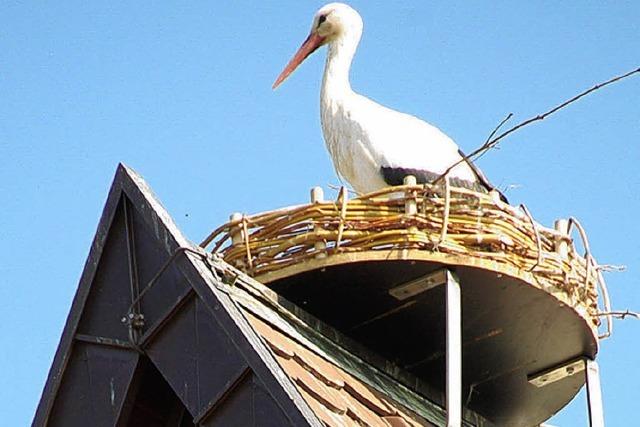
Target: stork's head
332,23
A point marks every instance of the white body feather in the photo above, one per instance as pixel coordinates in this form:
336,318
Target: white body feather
363,136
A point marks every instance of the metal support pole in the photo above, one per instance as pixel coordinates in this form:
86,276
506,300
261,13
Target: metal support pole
594,394
453,306
454,351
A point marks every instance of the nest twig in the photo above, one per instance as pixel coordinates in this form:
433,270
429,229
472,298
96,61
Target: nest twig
476,224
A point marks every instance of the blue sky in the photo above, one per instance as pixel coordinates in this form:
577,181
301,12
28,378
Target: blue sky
181,92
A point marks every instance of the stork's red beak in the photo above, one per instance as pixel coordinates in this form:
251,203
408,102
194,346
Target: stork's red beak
313,42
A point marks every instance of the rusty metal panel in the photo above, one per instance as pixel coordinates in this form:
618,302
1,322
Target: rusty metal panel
201,350
110,294
63,353
94,386
196,357
266,410
153,403
236,409
150,258
247,405
130,259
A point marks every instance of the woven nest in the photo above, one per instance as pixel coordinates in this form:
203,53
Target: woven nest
438,219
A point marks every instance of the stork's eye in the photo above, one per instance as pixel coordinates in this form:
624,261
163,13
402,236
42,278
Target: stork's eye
322,19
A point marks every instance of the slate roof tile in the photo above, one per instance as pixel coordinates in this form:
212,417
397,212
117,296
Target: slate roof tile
336,397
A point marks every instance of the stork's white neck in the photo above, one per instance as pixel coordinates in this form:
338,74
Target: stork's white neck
335,82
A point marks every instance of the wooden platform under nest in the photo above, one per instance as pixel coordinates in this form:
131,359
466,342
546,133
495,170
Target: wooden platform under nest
448,225
529,299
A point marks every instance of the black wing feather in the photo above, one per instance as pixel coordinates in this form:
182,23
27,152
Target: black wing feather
481,176
395,176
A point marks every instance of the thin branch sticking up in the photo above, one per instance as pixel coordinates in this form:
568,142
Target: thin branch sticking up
491,136
493,141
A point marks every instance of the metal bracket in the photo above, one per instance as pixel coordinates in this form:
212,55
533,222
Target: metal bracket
592,376
557,373
133,320
453,303
420,285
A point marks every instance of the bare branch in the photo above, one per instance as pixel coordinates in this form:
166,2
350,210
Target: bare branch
493,133
620,314
498,128
493,141
612,267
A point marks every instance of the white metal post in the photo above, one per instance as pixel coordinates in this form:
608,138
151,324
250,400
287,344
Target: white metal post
454,351
594,394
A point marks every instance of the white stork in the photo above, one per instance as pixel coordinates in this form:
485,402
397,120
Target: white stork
372,146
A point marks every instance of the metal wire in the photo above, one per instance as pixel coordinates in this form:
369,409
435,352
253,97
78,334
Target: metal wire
135,320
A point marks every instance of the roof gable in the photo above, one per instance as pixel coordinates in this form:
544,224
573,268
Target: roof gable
229,351
139,263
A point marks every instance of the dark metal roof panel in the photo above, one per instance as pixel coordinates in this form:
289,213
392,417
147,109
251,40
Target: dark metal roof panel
135,236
